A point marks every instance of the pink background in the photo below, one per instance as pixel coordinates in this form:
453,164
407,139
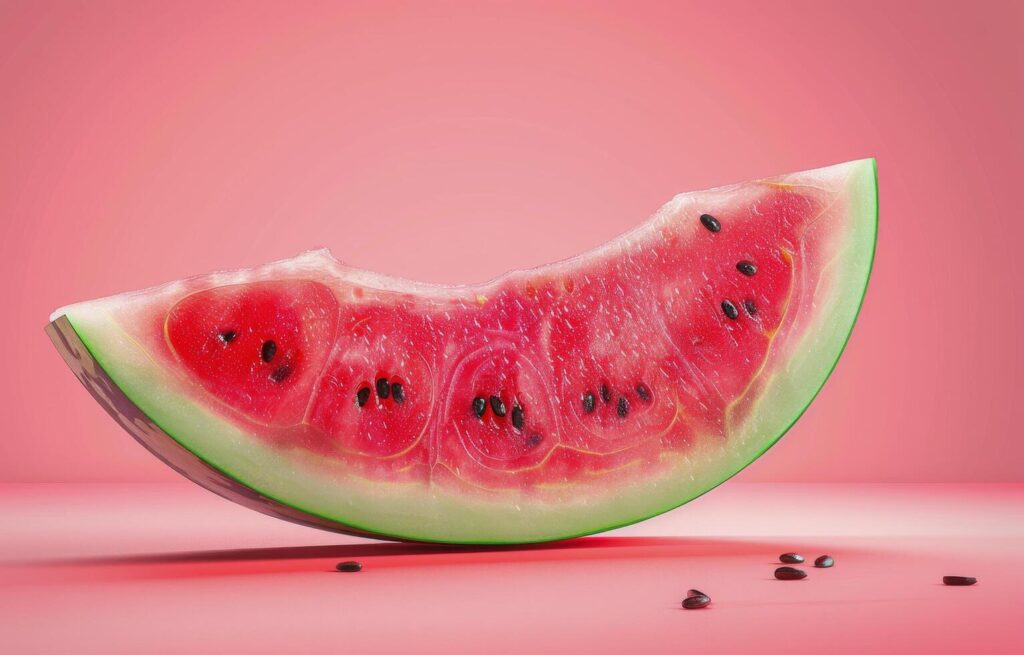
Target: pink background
143,142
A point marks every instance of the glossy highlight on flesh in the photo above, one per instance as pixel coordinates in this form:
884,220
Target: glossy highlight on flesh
545,404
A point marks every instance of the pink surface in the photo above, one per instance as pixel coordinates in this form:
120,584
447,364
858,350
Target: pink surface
170,569
451,142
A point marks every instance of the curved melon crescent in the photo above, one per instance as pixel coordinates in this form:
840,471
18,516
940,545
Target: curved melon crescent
216,454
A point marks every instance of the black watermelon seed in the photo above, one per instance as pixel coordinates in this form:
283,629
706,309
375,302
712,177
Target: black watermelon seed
362,396
588,402
958,580
643,392
824,562
747,268
479,406
695,592
281,372
227,336
383,390
268,351
750,307
349,567
397,392
498,406
730,309
518,417
791,558
696,602
623,407
535,439
710,222
789,573
606,393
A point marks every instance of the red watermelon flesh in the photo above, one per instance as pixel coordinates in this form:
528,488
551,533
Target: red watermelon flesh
631,378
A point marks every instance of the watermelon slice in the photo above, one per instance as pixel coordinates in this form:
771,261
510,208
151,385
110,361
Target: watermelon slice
545,404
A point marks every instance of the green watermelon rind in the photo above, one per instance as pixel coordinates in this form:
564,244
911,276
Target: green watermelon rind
164,407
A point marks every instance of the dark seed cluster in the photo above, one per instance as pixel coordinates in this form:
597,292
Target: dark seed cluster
622,404
498,407
385,389
745,267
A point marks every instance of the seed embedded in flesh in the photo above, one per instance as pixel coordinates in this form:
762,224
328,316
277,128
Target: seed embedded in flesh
643,392
710,222
958,580
498,406
349,567
268,351
747,268
789,573
824,562
281,372
588,402
518,417
227,336
791,558
730,309
398,392
623,407
479,406
606,393
535,439
750,307
696,602
383,390
362,396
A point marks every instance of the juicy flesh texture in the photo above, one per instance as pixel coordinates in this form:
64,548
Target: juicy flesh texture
595,370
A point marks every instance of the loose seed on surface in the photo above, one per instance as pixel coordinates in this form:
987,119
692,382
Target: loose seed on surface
281,372
227,336
479,406
696,602
383,390
398,392
623,407
349,567
643,392
518,417
588,402
498,406
606,393
824,562
750,307
695,592
268,351
730,309
710,222
791,558
958,580
362,396
789,573
747,268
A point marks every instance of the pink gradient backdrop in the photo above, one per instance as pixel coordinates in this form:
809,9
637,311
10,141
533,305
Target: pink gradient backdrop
143,142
